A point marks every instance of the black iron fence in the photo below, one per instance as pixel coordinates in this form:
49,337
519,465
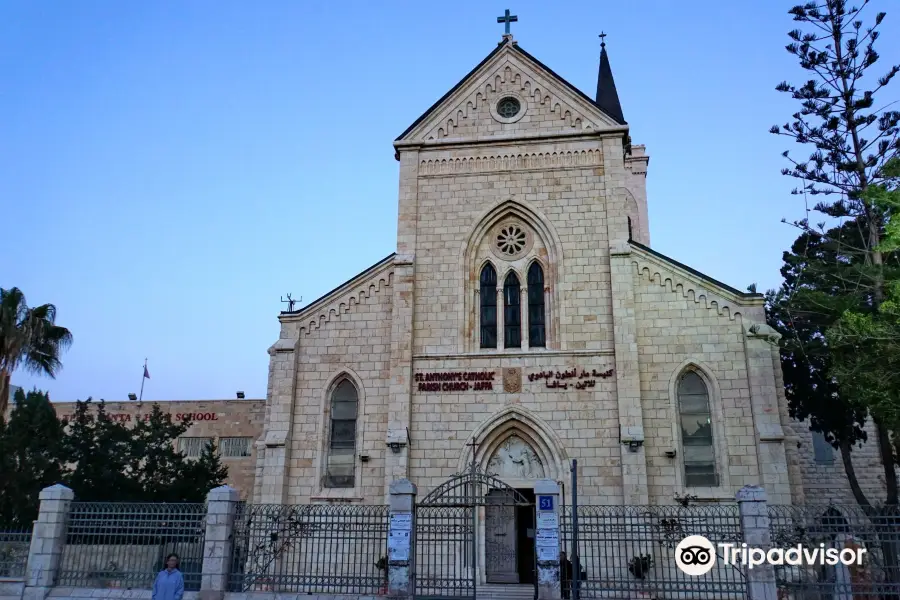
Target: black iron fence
125,544
310,548
831,530
444,547
14,545
629,551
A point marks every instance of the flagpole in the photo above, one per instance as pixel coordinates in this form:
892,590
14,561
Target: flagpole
143,377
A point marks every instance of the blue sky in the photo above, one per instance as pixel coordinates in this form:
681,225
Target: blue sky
169,169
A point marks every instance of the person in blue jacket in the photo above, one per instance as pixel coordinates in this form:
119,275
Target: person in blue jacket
169,584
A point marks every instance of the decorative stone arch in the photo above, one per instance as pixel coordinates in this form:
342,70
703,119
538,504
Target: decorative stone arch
717,415
471,265
335,378
520,422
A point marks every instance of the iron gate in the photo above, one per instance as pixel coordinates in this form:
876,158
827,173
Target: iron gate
446,544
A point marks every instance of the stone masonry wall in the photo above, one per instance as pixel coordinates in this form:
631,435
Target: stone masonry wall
563,182
355,342
584,423
674,331
470,113
827,482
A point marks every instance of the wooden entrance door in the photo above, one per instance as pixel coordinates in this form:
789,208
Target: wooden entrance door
500,537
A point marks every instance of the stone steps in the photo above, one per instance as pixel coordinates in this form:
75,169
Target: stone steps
498,591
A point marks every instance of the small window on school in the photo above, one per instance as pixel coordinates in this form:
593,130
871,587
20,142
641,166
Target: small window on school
192,447
234,447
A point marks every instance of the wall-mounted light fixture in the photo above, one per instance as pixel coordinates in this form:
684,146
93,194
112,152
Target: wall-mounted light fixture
670,454
634,445
363,458
396,445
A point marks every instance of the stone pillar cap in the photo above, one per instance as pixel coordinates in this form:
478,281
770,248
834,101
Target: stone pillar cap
56,492
402,486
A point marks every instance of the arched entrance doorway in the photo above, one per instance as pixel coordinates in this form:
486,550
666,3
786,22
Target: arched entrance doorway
468,531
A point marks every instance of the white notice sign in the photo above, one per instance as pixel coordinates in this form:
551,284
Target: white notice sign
548,537
547,553
547,520
398,553
401,521
399,539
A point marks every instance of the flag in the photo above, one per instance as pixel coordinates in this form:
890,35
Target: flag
146,373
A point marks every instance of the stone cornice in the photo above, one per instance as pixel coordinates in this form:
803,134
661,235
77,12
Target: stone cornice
675,279
503,354
494,140
342,299
513,161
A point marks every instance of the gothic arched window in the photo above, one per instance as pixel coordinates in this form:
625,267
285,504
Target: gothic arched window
536,333
341,461
512,312
488,307
695,421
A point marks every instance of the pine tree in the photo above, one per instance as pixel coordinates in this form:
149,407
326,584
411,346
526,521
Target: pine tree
154,463
117,462
99,450
204,474
852,140
30,457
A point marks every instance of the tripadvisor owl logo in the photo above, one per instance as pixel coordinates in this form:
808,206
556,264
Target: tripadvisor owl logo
695,555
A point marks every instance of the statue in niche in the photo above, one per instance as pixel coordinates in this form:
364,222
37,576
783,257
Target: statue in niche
516,459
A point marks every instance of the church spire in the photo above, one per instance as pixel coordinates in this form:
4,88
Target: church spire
607,97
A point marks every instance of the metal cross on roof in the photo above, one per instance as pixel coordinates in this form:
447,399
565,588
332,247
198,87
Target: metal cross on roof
602,40
507,19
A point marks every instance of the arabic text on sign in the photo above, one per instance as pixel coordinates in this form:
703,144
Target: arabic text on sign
401,521
548,537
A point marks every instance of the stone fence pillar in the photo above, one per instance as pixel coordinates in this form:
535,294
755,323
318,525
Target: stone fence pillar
755,526
401,541
221,506
47,541
546,492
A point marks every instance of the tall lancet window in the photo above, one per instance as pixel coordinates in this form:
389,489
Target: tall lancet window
512,312
696,432
342,437
488,307
536,333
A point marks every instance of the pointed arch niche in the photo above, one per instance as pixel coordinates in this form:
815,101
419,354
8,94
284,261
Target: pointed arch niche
518,447
509,240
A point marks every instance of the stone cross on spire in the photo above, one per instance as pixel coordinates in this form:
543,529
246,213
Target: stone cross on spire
507,19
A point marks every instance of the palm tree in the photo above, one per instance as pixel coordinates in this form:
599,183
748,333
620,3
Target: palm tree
29,338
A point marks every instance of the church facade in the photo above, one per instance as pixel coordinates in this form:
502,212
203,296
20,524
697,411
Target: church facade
525,321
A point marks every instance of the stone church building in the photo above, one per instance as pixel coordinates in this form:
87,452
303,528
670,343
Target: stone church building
525,321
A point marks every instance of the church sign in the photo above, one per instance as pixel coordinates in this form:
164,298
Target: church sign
559,380
455,381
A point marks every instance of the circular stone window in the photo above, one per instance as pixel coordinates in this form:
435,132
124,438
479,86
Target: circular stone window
511,240
508,107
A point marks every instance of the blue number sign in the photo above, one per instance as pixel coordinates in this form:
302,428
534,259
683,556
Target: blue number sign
545,502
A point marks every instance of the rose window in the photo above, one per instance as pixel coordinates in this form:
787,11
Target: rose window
508,108
511,240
